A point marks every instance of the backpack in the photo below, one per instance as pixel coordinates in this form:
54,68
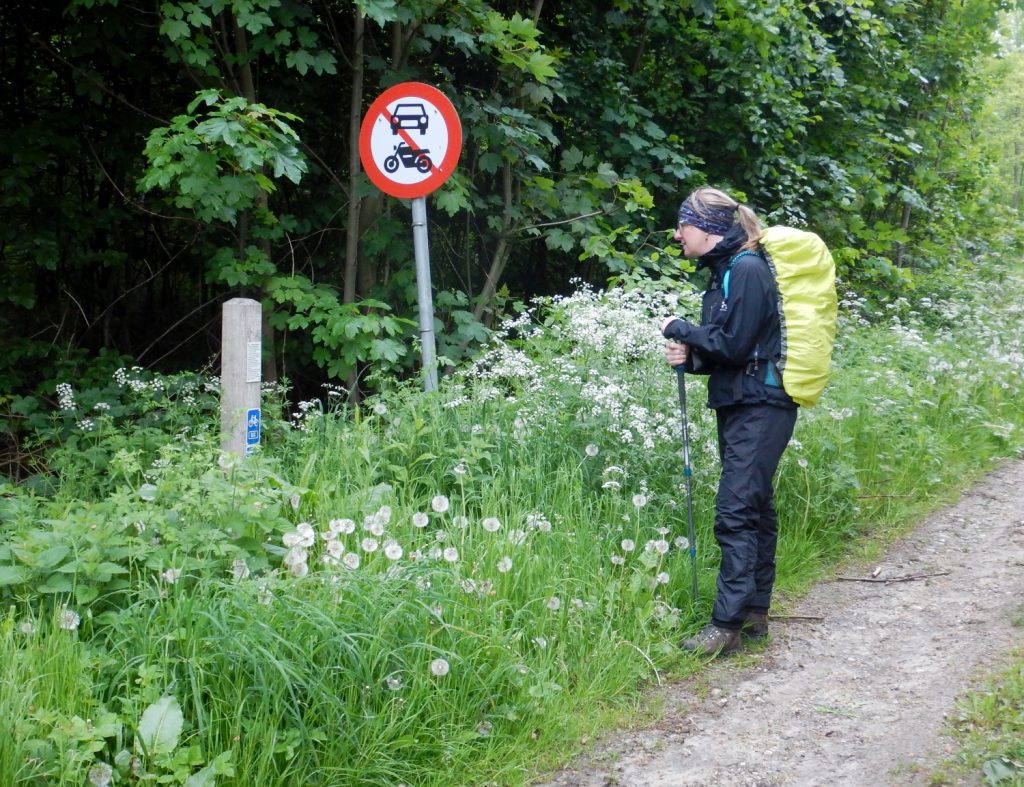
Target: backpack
806,279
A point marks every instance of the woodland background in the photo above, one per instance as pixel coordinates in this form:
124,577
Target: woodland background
158,158
523,569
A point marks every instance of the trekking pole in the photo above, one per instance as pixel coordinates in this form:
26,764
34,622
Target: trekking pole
687,474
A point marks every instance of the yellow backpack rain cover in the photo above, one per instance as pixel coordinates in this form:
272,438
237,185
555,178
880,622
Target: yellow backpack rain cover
806,277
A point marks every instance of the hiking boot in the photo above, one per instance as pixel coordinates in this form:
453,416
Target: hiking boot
713,641
755,625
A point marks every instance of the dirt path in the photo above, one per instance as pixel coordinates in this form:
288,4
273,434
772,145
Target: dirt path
859,698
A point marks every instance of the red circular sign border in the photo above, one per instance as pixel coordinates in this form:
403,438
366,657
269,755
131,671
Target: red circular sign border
442,171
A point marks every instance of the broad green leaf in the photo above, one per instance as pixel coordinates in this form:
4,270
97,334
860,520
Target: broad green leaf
380,11
14,575
174,29
300,60
52,556
160,727
57,583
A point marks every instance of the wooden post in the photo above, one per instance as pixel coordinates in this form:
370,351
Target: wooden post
240,376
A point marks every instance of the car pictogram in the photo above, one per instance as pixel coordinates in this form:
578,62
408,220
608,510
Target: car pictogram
409,116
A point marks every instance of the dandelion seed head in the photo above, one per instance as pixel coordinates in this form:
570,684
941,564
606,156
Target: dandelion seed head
306,534
491,524
419,519
460,521
264,595
239,570
539,522
369,544
639,500
618,560
439,668
351,560
591,450
628,545
69,619
451,554
101,775
554,603
439,503
505,565
392,550
171,575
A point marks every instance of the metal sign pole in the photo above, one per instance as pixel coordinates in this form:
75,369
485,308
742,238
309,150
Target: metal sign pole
411,167
423,290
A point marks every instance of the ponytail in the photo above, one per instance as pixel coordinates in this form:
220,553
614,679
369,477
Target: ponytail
751,225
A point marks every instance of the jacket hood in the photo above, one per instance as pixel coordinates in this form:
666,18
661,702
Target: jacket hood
728,246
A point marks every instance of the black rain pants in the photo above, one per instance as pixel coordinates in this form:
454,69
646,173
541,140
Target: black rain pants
751,439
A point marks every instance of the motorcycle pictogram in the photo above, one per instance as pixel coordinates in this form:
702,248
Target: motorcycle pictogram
409,157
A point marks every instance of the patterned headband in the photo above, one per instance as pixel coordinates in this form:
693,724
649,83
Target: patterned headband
715,221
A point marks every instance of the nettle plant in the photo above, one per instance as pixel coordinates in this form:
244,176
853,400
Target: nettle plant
143,495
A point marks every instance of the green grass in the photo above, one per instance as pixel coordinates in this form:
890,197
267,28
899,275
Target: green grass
537,501
989,728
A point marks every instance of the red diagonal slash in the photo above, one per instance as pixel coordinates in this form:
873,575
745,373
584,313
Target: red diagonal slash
406,138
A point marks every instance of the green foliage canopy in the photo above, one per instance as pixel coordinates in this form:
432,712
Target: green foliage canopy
154,162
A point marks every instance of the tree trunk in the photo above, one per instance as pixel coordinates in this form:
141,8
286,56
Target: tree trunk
249,92
501,252
353,228
354,113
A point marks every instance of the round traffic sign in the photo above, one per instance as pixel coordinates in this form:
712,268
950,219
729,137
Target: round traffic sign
410,140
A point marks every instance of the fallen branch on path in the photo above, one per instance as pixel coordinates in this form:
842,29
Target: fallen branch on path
797,618
911,578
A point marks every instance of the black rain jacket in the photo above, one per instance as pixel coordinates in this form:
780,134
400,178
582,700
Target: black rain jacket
736,340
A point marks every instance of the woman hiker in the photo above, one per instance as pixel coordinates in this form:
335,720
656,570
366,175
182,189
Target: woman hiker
738,344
